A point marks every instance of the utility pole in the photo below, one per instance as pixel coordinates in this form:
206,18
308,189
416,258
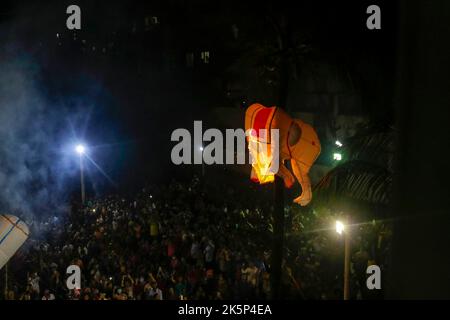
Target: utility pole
83,195
347,239
278,238
278,214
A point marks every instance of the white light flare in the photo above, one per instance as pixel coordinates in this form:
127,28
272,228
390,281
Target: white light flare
339,227
80,149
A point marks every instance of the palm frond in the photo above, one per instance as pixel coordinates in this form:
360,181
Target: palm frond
357,180
367,174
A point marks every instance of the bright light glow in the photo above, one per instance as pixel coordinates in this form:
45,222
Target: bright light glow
262,161
339,227
338,143
337,156
201,148
80,149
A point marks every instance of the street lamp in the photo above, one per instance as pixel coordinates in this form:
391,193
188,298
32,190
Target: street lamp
81,150
341,228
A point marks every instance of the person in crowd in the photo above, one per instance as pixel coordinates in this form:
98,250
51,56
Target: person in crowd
48,295
173,242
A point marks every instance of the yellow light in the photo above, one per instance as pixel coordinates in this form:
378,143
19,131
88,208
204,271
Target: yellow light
339,227
263,162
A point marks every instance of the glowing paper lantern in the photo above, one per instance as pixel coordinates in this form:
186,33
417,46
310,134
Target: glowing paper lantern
13,233
298,143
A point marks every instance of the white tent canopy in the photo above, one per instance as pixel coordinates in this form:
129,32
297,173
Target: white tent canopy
13,233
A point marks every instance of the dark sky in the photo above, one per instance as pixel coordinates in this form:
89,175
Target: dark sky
127,99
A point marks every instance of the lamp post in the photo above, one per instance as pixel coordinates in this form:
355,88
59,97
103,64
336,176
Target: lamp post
80,149
341,228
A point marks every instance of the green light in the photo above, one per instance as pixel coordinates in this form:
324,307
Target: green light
337,156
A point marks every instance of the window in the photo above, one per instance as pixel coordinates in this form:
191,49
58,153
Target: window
153,20
205,56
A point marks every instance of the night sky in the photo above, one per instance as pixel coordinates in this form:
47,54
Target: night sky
121,84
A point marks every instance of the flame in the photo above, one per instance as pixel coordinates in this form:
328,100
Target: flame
262,161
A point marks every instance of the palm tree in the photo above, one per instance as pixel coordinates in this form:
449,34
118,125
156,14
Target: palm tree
365,177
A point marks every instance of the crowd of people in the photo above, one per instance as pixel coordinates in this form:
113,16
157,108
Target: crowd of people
181,241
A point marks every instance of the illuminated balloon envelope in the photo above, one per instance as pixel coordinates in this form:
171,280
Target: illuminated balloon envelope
259,137
298,143
13,233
